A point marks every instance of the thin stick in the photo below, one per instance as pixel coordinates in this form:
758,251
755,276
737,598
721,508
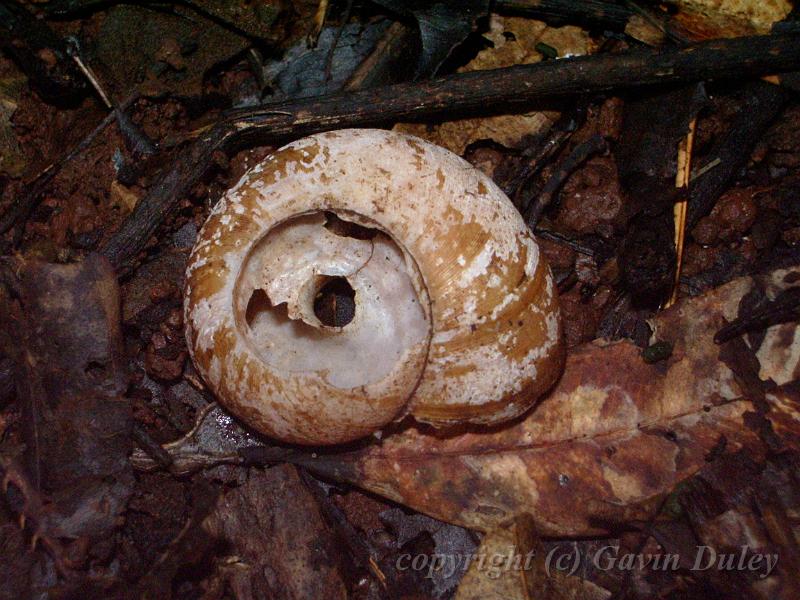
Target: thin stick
92,79
319,22
682,179
492,91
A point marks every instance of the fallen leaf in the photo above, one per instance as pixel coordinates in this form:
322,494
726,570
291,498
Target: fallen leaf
314,71
511,564
451,544
443,25
739,507
604,447
65,337
123,197
705,19
280,545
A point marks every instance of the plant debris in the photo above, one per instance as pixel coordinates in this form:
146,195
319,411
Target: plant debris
664,462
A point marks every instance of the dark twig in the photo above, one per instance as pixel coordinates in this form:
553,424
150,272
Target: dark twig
559,238
337,36
762,103
151,447
537,157
363,553
588,13
507,89
785,308
580,154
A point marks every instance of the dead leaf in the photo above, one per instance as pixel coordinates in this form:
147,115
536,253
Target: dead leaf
280,546
613,437
514,40
315,71
443,25
512,564
735,504
705,19
123,197
451,544
66,341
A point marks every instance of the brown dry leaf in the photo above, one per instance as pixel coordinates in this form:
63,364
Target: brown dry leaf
614,436
123,197
64,334
734,503
514,42
729,18
511,564
281,546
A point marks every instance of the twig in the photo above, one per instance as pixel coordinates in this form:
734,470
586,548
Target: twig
682,178
785,308
580,154
590,13
361,550
335,42
74,50
762,103
319,22
500,89
560,238
557,137
383,60
151,447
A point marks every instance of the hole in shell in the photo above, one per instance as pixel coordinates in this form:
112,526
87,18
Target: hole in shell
335,304
258,302
343,228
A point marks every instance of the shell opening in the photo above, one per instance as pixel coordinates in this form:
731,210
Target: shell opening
334,303
323,294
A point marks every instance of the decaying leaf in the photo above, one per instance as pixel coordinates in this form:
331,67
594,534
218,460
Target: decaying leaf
281,547
451,543
736,503
324,68
65,337
514,42
729,18
613,437
443,25
511,564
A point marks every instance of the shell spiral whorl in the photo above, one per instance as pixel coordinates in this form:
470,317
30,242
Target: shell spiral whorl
455,312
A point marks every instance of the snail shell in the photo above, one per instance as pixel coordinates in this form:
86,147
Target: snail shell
455,312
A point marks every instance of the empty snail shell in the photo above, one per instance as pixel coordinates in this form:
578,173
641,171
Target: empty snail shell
454,312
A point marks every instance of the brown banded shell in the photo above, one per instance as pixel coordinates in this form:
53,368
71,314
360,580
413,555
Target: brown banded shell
453,314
